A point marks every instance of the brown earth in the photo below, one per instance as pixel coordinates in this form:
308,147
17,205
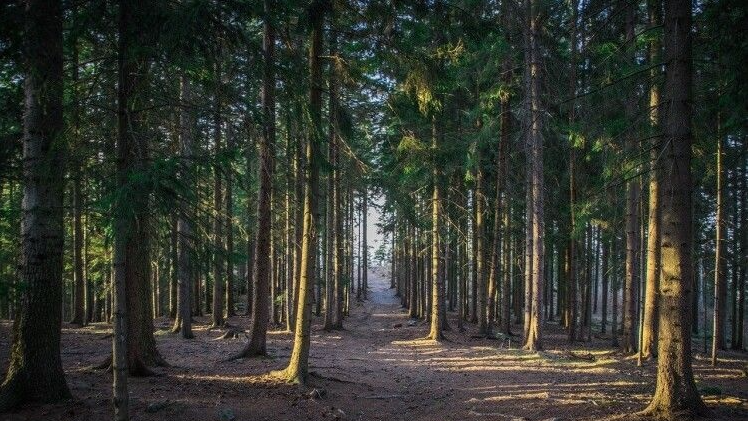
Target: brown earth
377,369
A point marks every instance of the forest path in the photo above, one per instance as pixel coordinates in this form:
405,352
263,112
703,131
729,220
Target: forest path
377,368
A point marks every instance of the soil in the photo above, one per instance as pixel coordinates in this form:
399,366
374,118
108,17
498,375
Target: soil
377,369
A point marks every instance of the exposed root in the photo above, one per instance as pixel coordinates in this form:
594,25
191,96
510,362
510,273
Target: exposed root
233,333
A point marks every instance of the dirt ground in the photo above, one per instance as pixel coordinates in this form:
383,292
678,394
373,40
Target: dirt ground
377,369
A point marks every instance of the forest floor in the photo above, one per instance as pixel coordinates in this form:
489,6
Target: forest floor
377,369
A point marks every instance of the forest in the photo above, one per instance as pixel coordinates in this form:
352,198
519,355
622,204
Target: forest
233,210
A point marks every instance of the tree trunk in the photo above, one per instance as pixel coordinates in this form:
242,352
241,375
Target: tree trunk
437,297
298,365
720,258
614,283
132,163
494,274
185,241
219,253
536,257
337,202
262,253
651,305
35,370
571,257
633,240
675,393
604,300
228,225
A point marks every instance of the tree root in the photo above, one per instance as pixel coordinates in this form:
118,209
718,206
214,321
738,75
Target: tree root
233,333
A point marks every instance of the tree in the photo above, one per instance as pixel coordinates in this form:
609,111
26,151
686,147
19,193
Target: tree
262,255
132,211
185,236
535,221
297,370
675,392
219,252
720,255
35,370
651,307
437,290
633,239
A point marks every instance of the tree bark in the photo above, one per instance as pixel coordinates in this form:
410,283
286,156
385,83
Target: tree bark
35,369
219,253
185,241
437,297
675,393
631,281
297,370
536,257
720,258
651,304
262,253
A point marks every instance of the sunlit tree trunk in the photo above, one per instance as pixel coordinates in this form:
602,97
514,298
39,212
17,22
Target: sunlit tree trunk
720,251
297,370
675,393
651,305
437,297
536,258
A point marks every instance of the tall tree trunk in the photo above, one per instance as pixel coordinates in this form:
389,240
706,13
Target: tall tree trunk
494,274
289,240
633,240
437,297
337,202
614,283
136,21
743,256
79,296
298,366
185,240
330,211
228,225
262,253
571,257
676,392
651,305
35,369
480,241
533,339
604,300
219,253
174,255
720,258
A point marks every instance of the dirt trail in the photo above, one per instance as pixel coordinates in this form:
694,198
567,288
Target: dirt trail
375,369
